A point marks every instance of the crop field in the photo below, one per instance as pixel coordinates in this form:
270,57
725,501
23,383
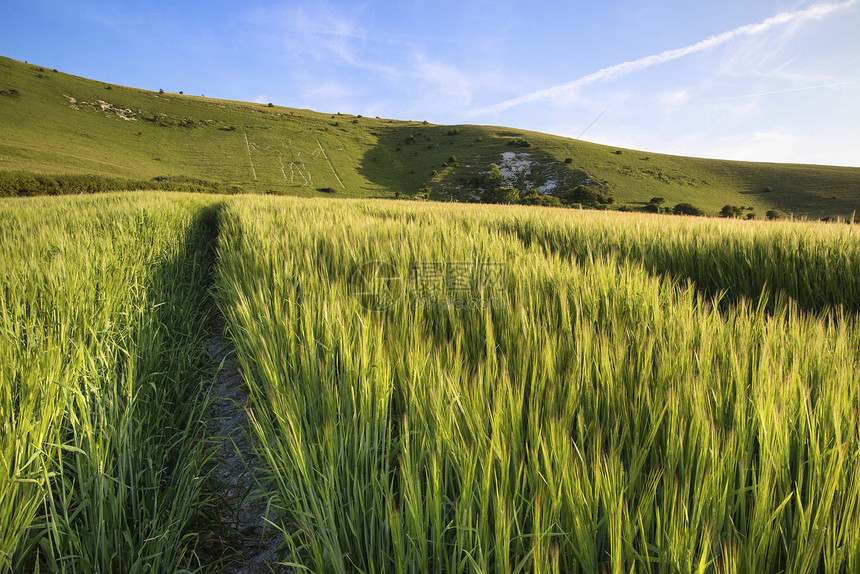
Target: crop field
441,389
433,387
102,314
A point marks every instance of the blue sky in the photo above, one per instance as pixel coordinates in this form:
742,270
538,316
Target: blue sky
772,80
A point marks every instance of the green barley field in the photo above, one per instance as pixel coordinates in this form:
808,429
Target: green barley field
103,309
434,387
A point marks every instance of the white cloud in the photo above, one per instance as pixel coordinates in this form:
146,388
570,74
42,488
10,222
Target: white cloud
328,91
312,31
773,145
448,81
674,98
570,89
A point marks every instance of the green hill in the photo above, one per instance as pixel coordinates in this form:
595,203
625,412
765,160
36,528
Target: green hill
56,123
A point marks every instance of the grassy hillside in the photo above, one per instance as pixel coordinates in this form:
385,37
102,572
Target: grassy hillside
57,123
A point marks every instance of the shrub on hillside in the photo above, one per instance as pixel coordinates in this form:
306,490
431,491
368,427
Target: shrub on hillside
550,201
535,197
24,183
587,196
192,184
731,211
165,121
772,214
687,209
13,182
655,205
490,180
503,195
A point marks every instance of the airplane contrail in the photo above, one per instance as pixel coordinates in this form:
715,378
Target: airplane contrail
789,90
591,124
815,12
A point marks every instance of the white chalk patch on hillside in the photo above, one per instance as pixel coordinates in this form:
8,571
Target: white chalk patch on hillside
548,186
514,165
517,167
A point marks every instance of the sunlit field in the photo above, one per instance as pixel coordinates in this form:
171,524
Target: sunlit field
434,387
439,388
102,314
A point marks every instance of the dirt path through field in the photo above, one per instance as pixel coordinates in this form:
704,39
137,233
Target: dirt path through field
253,541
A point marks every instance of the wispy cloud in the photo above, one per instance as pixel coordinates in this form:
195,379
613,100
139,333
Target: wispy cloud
674,98
314,31
445,80
771,145
328,91
570,89
321,38
339,57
